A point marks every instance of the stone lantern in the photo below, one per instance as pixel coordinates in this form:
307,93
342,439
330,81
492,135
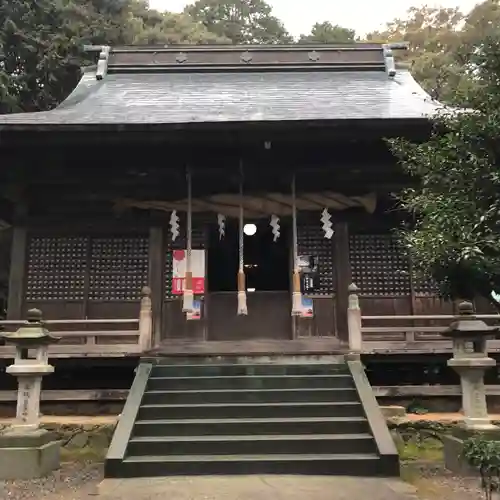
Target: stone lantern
470,360
26,451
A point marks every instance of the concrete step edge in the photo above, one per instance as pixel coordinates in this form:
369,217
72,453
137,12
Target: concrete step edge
235,438
251,458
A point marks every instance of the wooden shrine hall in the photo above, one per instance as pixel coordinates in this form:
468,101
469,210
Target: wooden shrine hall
211,199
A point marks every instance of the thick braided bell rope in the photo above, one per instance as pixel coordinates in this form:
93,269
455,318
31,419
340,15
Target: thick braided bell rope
242,295
296,294
188,296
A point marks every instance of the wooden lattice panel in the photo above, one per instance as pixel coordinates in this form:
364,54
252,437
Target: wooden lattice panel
312,241
198,242
57,268
378,265
118,268
425,287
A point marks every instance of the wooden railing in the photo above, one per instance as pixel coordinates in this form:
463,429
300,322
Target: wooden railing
96,337
414,338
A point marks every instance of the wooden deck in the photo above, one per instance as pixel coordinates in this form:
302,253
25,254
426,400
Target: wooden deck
309,346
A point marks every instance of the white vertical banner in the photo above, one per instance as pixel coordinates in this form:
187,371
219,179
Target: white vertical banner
179,271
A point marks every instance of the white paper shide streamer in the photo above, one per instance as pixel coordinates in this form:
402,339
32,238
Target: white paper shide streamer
174,225
275,224
221,220
326,219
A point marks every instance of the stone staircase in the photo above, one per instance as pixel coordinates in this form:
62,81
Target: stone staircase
230,417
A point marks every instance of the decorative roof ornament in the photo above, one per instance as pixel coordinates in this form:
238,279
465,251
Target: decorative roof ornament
327,224
181,58
102,64
275,224
246,57
314,56
390,65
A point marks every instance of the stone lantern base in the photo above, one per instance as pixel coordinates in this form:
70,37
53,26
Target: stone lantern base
28,455
453,446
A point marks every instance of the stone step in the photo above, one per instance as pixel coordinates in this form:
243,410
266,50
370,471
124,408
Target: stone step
185,465
249,395
251,444
251,410
251,382
242,369
249,426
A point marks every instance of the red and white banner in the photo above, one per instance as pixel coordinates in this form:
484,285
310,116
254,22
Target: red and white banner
179,271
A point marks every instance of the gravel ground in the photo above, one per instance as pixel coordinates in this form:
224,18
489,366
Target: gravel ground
74,481
77,481
434,482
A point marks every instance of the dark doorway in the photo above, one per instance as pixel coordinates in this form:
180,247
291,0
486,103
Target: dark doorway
267,270
267,262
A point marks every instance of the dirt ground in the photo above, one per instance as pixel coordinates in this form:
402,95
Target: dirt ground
80,481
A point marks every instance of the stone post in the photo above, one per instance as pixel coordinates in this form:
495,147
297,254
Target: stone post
354,320
26,451
146,320
470,360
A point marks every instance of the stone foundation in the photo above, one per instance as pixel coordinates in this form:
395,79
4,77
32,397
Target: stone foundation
85,441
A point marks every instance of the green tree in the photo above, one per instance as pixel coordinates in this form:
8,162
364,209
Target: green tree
456,202
41,47
326,32
175,29
240,21
433,35
441,40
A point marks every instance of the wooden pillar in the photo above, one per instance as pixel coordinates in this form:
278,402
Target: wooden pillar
156,277
17,274
343,271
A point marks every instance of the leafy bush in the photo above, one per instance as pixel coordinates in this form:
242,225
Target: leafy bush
484,455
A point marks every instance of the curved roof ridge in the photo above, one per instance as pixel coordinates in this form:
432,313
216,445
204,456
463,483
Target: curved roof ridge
87,84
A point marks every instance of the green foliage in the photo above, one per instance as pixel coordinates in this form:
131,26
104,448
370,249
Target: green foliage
441,41
484,455
326,32
240,21
456,203
173,29
41,43
41,47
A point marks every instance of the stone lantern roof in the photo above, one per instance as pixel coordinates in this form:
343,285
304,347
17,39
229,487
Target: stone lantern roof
32,332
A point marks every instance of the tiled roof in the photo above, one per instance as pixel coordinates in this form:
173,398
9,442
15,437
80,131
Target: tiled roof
183,97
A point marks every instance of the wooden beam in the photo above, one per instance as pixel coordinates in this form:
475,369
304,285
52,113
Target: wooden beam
17,274
427,391
391,391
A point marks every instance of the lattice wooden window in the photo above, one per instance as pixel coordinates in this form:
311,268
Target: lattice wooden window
378,265
56,268
198,242
425,287
311,241
118,268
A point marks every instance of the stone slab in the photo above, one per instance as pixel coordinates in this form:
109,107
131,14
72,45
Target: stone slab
34,439
452,448
393,411
257,487
29,463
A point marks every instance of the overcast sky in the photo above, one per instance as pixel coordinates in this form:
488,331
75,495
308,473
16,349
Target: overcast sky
362,15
